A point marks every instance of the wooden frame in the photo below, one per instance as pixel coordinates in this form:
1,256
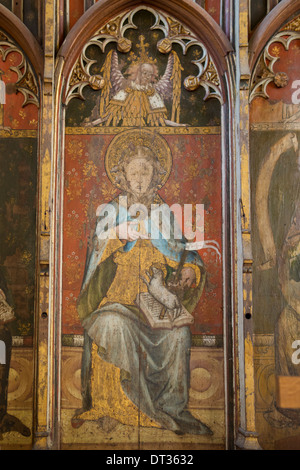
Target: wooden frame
220,49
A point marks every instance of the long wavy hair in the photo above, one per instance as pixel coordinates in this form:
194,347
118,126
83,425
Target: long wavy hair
133,152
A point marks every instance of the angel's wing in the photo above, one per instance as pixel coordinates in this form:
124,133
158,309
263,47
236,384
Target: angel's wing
114,80
169,86
116,77
164,86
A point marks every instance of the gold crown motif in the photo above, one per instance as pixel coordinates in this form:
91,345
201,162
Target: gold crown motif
143,56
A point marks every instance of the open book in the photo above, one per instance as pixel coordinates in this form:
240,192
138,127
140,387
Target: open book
6,312
154,310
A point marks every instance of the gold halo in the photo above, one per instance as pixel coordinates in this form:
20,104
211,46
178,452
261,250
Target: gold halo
145,138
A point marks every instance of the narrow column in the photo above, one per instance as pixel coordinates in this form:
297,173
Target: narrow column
246,435
44,321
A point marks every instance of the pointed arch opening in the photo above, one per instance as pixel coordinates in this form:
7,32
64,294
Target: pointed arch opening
144,103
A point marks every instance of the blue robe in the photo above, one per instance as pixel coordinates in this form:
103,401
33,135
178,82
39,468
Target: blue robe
155,361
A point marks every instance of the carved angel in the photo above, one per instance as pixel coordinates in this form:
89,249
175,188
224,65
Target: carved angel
139,99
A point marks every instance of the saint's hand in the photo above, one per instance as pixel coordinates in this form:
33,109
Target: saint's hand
129,231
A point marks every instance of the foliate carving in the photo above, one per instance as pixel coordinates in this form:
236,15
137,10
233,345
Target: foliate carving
176,29
207,77
264,71
293,25
281,79
174,33
80,79
26,81
112,28
78,74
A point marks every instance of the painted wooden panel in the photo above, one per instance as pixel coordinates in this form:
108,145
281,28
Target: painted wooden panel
18,173
143,122
275,218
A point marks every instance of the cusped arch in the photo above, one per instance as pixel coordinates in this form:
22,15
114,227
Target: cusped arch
281,14
189,13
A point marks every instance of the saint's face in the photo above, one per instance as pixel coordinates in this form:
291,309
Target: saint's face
146,74
139,173
187,277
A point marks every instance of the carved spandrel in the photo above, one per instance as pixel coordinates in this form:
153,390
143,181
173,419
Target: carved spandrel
265,72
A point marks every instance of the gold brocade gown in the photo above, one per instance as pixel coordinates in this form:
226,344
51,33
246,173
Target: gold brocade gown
136,110
108,397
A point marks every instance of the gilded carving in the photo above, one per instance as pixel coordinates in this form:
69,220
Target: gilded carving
174,33
112,28
293,25
176,28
